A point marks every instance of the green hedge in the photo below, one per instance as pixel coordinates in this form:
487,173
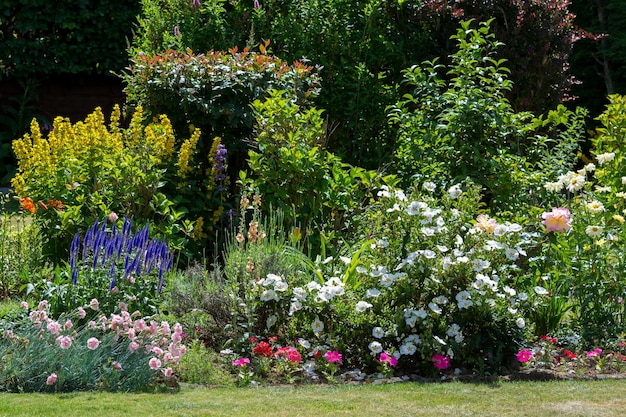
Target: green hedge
69,36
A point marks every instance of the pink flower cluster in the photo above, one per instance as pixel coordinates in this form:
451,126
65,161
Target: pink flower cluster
162,342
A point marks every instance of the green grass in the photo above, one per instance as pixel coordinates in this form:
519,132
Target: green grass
564,398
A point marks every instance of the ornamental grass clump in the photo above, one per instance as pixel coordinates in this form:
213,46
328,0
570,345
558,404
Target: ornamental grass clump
118,352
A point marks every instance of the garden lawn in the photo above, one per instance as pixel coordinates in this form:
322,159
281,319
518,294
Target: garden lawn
564,398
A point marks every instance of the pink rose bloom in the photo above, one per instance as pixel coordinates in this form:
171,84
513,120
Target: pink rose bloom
440,361
68,324
93,343
133,346
94,304
112,216
52,378
168,372
386,358
176,337
157,350
24,305
81,312
524,355
557,221
594,353
154,363
165,328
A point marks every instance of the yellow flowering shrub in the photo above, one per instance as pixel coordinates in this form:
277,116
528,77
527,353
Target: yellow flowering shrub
81,172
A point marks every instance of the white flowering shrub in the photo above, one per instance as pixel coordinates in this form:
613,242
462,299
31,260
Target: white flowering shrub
432,284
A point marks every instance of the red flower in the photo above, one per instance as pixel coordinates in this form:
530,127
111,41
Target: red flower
569,355
263,349
290,353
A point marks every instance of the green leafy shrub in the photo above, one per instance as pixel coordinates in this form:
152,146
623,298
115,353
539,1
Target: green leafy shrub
213,91
465,127
202,366
426,282
200,301
294,173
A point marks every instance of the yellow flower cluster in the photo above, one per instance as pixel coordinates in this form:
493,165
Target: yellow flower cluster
187,149
89,141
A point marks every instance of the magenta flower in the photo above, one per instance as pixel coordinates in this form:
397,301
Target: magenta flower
524,355
440,361
241,362
557,221
386,358
594,353
332,356
256,4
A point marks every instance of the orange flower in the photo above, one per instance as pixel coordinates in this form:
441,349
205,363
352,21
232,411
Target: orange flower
56,204
27,204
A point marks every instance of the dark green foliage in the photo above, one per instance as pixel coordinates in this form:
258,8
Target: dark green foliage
599,62
71,36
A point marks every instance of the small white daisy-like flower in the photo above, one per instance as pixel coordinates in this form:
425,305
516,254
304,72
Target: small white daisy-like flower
594,231
415,207
429,186
595,207
372,293
361,306
408,349
378,332
375,347
511,254
455,191
317,326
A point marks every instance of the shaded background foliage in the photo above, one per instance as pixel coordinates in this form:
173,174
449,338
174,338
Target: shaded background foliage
362,46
